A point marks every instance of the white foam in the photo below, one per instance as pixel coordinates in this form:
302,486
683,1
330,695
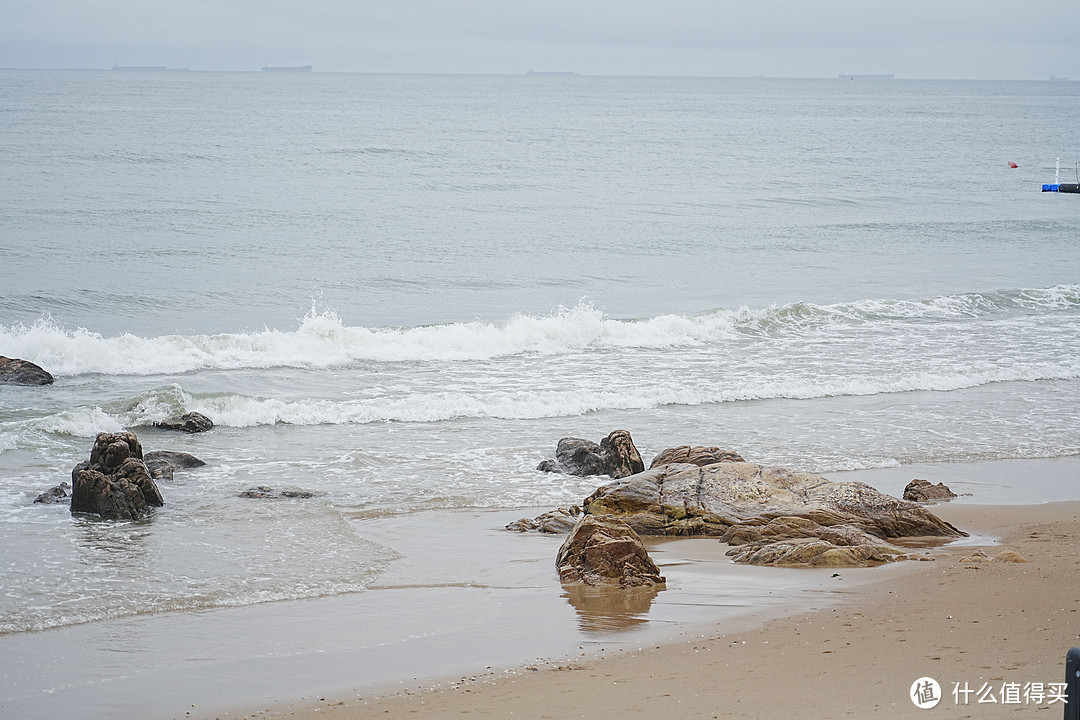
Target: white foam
324,340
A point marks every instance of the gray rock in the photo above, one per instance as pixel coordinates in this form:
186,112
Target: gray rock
263,492
191,422
615,455
684,499
556,522
58,494
22,372
162,464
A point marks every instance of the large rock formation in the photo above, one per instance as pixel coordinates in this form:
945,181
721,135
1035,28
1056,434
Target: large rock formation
604,551
616,456
191,422
115,483
740,500
695,455
22,372
924,491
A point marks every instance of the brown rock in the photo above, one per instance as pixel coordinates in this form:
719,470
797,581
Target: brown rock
695,455
683,499
924,491
799,541
115,483
618,455
1009,556
606,551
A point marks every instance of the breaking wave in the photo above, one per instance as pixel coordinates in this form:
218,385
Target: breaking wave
323,340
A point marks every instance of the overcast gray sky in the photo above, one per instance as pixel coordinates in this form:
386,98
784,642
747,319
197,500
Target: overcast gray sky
1022,39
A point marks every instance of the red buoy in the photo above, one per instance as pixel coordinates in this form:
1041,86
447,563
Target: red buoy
1013,165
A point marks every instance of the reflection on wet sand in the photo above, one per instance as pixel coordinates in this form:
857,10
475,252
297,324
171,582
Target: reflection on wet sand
605,610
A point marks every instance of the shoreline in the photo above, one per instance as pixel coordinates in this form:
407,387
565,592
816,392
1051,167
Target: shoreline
468,604
973,622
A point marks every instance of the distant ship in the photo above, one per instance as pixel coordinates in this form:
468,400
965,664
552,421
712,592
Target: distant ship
550,72
845,76
287,68
1055,78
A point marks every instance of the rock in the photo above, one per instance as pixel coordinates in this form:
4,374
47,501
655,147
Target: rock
1009,556
22,372
162,464
799,541
267,493
603,550
556,522
695,455
115,483
191,422
618,456
923,491
736,499
615,456
58,494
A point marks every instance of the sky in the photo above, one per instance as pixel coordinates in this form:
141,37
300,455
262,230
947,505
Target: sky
961,39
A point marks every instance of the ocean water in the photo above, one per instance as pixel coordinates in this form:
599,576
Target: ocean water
399,292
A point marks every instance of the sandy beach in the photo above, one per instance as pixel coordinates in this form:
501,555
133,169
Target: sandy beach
996,629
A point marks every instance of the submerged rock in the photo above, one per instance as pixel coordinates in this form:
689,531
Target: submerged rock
695,455
115,483
556,522
162,464
191,422
58,494
924,491
263,492
615,455
605,551
22,372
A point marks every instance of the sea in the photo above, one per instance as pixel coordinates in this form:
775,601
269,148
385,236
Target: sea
398,292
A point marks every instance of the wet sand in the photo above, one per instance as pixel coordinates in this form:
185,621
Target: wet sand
993,628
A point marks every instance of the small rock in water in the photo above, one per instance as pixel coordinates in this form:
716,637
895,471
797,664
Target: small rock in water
603,550
58,494
263,492
191,422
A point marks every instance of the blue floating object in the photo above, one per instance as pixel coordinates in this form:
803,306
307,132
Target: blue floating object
1050,187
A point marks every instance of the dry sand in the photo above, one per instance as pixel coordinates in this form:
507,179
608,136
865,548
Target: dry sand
980,623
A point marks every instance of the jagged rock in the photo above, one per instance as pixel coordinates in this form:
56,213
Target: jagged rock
695,455
799,541
603,550
115,483
924,491
58,494
615,456
683,499
267,493
191,422
22,372
162,464
556,522
618,456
